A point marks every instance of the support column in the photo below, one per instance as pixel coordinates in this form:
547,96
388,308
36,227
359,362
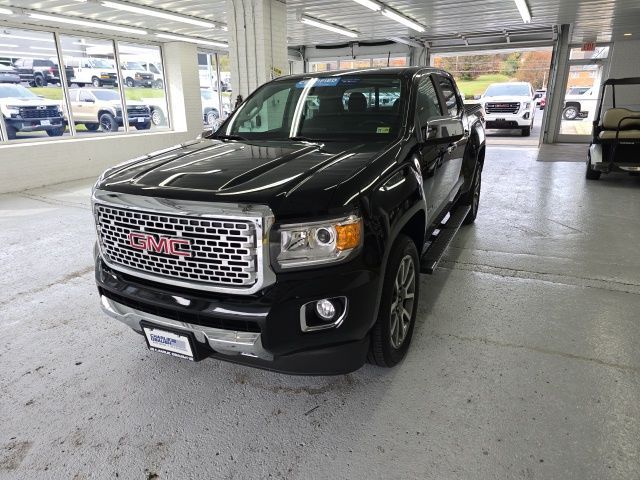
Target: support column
257,43
183,86
555,89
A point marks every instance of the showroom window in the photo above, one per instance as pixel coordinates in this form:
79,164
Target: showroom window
215,87
348,64
31,96
144,86
33,99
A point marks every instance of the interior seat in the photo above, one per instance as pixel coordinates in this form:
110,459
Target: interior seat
357,103
629,127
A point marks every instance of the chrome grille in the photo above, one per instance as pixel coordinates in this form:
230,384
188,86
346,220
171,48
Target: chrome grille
223,250
503,107
35,112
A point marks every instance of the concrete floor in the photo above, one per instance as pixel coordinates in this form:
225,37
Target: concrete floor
524,364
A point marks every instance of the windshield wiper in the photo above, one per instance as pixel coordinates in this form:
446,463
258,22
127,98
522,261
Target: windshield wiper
229,137
306,139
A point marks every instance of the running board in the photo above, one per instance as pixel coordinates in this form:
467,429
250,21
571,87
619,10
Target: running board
438,243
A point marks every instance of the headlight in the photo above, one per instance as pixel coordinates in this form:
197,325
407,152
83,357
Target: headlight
13,110
526,105
307,244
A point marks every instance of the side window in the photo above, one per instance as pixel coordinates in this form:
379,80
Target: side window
85,96
449,94
427,104
268,117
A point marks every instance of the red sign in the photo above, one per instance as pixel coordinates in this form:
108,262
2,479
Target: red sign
588,46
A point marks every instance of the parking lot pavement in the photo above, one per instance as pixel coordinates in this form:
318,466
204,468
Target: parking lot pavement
524,362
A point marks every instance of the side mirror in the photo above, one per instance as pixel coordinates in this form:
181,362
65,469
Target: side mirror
477,97
442,131
205,133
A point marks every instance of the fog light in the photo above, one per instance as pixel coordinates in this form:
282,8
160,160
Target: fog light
325,309
526,116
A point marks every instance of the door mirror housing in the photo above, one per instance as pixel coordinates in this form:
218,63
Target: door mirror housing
447,130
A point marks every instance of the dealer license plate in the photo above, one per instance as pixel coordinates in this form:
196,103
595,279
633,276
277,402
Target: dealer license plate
168,342
499,119
45,122
140,120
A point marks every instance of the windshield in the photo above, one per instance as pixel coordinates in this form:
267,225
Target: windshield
106,95
508,89
133,66
15,91
98,63
345,107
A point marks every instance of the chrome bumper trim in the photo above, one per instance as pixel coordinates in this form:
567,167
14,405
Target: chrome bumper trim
228,342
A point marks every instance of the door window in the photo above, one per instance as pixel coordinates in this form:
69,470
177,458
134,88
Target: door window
427,105
450,96
85,96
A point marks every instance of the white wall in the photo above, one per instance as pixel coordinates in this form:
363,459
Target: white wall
34,164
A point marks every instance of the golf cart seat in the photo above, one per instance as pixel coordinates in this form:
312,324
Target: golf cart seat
617,124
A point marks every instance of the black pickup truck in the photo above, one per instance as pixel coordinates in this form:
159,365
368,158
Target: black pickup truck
292,238
39,72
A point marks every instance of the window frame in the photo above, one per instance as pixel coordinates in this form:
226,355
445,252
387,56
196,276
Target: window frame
443,99
419,79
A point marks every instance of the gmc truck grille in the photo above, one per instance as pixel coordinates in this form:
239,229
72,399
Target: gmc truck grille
213,251
137,111
35,112
508,107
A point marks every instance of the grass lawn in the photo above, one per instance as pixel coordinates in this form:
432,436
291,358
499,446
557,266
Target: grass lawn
469,88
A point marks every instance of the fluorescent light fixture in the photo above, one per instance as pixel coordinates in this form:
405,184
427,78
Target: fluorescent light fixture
86,23
6,11
406,41
524,10
199,41
370,4
627,34
85,44
10,36
18,54
327,26
47,49
393,15
154,12
8,45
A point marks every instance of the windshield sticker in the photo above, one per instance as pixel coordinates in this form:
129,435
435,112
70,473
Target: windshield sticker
321,82
383,129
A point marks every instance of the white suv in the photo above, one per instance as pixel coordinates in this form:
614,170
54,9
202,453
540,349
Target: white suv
509,105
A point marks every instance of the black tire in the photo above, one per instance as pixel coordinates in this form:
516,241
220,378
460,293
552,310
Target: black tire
157,117
11,132
39,81
56,132
592,174
129,82
108,123
526,131
385,351
95,81
570,112
158,84
92,127
143,126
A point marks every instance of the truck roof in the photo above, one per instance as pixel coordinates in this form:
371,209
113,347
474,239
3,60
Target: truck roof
396,71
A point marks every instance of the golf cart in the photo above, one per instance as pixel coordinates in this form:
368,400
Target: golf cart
615,146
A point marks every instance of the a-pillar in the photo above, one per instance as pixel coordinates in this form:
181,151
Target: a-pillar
257,43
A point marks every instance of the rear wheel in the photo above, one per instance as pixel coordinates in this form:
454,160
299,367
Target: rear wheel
40,81
129,82
108,123
95,81
392,332
570,113
212,117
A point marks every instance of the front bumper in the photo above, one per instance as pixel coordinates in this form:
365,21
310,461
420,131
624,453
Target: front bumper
27,125
261,330
508,120
135,120
147,82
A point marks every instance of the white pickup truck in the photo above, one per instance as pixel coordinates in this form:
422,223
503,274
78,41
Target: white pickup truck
509,105
92,71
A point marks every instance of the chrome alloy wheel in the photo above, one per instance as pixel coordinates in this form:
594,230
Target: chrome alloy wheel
402,301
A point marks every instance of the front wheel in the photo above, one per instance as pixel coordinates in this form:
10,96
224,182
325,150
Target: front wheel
108,123
157,117
56,132
40,81
11,132
212,117
129,82
570,113
95,81
392,332
526,131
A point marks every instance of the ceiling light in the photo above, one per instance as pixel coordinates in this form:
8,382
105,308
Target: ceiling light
524,10
10,36
154,12
85,44
406,41
402,19
199,41
18,54
6,11
7,45
85,23
375,6
327,26
627,34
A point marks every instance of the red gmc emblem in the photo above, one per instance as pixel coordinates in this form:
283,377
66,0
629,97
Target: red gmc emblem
151,243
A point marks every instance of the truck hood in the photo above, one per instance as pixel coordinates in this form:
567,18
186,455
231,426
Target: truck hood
293,178
28,102
506,98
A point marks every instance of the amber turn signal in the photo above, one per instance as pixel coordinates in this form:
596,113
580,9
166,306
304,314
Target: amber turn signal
348,235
